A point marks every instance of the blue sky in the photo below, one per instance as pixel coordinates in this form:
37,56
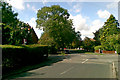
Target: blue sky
87,16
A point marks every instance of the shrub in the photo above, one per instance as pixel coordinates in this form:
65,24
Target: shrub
98,47
52,50
118,49
14,57
77,51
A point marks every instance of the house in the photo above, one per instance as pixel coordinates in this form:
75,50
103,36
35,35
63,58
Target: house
34,36
92,39
32,39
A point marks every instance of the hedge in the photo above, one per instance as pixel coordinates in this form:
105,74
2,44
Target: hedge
98,47
77,51
118,49
14,57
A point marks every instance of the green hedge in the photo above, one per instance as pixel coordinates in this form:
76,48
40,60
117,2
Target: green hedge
118,49
14,57
77,51
98,47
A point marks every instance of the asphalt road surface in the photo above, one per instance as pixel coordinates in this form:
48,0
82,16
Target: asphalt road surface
76,66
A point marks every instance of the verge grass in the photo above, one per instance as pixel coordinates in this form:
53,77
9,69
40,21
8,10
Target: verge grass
93,53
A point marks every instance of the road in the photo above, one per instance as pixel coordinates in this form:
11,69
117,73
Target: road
76,66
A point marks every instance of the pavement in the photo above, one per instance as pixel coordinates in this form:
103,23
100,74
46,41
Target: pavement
75,66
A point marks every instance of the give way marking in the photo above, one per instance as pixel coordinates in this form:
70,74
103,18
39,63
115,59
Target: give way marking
85,61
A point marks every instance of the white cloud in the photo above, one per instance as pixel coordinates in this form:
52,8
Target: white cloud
18,4
76,8
33,8
80,24
103,14
44,1
32,23
28,6
96,24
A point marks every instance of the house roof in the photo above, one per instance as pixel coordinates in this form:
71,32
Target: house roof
92,39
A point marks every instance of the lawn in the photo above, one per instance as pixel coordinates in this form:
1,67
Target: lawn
93,53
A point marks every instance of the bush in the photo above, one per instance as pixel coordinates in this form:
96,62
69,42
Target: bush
14,57
77,51
118,49
52,50
98,47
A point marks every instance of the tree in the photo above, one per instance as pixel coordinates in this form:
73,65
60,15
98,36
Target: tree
113,41
88,44
77,41
12,32
97,37
109,28
45,39
55,23
9,21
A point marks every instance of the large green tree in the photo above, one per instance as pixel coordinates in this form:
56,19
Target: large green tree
55,23
11,26
97,37
9,21
113,41
88,44
109,28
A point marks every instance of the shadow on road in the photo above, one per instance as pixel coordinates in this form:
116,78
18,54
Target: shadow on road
48,62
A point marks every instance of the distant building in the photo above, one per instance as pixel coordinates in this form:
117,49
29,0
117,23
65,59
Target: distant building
32,39
92,39
34,36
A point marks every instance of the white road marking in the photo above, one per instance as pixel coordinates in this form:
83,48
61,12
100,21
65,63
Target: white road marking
66,70
113,69
85,61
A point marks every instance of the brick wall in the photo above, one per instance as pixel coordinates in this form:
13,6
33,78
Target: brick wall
108,52
105,52
96,51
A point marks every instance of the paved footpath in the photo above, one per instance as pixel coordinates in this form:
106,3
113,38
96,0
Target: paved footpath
76,66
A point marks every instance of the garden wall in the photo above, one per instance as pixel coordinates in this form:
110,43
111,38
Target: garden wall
108,52
105,52
96,51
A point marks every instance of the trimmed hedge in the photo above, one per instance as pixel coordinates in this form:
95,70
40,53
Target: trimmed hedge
98,47
77,51
14,57
118,49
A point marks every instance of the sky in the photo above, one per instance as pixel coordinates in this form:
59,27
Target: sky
87,16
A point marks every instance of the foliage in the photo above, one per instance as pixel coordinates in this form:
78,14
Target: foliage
55,23
112,42
97,37
118,48
88,44
10,46
77,41
11,27
45,39
14,57
77,51
97,47
107,33
9,18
